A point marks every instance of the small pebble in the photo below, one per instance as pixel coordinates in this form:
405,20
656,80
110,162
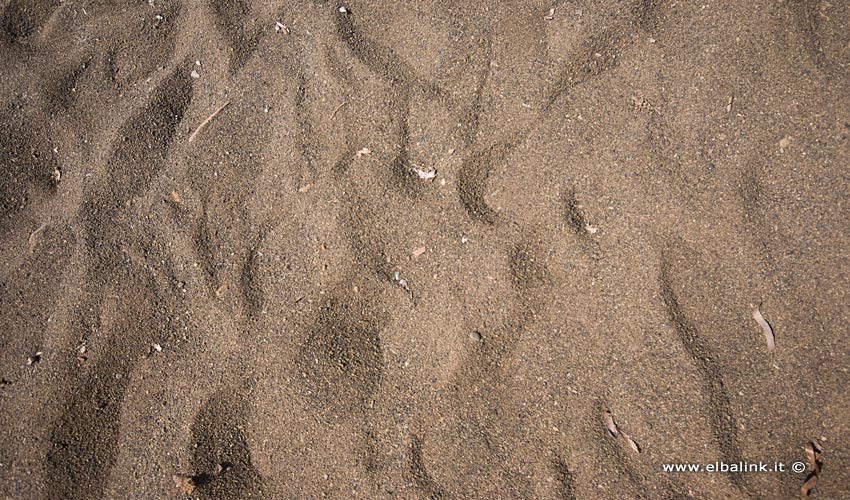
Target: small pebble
475,335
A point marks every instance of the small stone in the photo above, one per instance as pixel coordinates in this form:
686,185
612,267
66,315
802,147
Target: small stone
195,74
475,335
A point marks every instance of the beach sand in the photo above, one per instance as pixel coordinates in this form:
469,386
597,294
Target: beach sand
423,250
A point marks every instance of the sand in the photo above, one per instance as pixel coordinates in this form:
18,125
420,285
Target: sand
423,250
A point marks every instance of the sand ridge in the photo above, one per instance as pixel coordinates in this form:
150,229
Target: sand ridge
212,217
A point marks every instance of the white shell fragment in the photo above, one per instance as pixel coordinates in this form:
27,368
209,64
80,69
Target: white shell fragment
401,281
425,175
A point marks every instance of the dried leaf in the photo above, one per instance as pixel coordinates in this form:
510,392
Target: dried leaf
809,485
33,239
765,327
175,197
609,423
730,103
630,442
813,451
185,484
591,229
305,188
616,432
551,15
417,252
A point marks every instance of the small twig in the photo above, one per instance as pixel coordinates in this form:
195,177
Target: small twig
205,122
33,239
338,108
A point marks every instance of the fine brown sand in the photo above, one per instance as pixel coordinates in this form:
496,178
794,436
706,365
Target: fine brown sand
240,305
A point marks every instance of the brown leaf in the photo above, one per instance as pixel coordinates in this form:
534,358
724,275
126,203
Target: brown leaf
175,197
765,328
809,485
813,451
609,423
630,442
185,484
616,432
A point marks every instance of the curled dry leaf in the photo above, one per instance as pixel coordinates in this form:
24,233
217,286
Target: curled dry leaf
616,432
630,442
813,451
765,328
609,423
185,484
35,358
551,14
